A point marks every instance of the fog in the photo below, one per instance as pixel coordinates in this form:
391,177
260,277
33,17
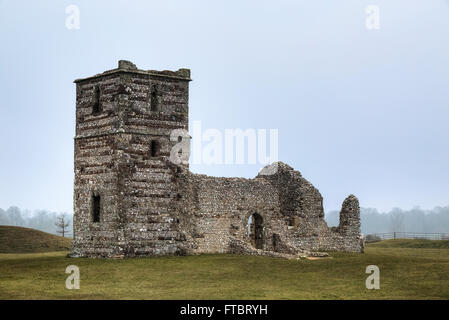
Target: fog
38,219
373,221
398,220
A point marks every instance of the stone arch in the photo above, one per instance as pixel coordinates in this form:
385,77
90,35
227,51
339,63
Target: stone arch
255,230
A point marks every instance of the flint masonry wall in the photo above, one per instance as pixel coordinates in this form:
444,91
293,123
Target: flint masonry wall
150,206
216,213
216,209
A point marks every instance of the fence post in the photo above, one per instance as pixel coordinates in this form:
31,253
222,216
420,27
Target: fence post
394,235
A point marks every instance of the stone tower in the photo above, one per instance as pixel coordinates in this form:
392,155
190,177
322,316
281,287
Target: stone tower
124,191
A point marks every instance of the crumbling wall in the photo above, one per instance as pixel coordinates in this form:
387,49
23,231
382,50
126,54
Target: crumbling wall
215,212
219,208
302,207
347,236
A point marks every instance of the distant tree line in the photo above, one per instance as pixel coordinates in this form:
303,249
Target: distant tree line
398,220
39,219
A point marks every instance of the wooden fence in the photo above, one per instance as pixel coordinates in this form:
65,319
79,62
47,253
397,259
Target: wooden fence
405,235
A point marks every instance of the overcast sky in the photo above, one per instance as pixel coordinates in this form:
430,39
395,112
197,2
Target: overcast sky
358,111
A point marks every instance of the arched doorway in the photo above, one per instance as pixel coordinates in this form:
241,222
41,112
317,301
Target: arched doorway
255,230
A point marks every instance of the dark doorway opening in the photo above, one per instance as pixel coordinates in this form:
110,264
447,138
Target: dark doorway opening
255,230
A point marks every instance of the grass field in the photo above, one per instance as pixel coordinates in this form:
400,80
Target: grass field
405,273
406,243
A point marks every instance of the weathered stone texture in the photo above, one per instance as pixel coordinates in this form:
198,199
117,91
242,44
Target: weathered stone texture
149,206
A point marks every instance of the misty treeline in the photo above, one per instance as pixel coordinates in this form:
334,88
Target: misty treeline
39,219
398,220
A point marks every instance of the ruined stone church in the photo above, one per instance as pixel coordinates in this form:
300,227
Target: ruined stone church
131,200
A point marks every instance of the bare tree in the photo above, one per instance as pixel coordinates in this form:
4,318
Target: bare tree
63,225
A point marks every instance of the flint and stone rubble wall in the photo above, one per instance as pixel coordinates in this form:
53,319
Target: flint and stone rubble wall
150,206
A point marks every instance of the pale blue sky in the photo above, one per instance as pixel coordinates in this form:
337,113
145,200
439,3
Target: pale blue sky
358,111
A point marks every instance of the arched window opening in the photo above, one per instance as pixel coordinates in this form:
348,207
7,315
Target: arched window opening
96,108
293,222
155,148
255,230
96,207
154,101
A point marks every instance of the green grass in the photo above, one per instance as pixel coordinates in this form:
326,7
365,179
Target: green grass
405,273
25,240
406,243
